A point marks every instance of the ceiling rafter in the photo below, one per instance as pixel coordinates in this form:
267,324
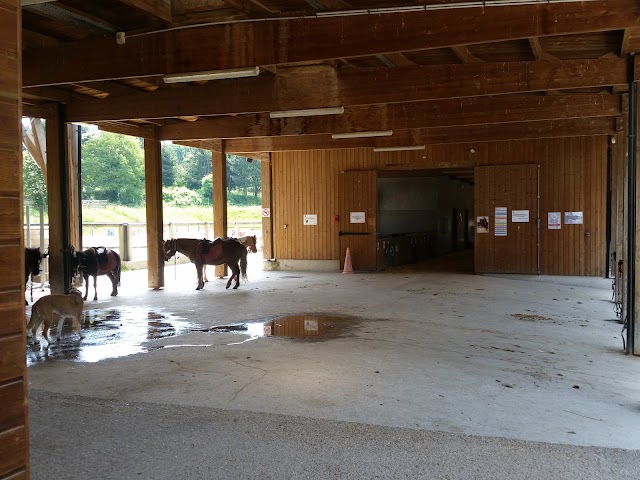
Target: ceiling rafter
157,8
356,87
465,55
630,41
433,136
435,113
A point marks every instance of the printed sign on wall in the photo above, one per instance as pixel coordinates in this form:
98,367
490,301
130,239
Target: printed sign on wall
501,222
482,225
311,219
520,216
357,217
573,218
553,220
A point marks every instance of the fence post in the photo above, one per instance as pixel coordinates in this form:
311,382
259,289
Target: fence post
206,230
170,229
125,242
237,231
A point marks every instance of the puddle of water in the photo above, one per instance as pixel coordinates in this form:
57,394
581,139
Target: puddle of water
109,333
309,327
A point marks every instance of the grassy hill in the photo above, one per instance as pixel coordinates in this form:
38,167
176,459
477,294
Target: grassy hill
122,214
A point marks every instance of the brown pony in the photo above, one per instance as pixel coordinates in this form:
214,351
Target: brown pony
204,252
96,261
248,241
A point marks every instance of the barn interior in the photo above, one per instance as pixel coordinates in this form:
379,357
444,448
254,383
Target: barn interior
384,129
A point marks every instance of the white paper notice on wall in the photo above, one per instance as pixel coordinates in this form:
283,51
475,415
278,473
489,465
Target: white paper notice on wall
311,219
573,218
553,220
357,217
500,222
519,216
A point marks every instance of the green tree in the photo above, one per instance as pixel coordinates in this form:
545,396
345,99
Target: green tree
180,197
206,189
243,175
113,169
169,161
33,182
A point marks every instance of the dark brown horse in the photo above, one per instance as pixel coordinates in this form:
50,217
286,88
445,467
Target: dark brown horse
248,241
204,252
94,262
32,259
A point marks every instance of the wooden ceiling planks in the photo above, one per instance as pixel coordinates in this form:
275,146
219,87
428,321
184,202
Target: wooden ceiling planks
395,69
310,39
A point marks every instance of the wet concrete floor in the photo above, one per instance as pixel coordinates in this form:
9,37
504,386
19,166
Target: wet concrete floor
121,331
533,364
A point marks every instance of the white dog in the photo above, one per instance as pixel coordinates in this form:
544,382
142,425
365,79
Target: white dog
50,307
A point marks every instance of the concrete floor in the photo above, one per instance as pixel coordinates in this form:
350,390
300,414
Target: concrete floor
439,374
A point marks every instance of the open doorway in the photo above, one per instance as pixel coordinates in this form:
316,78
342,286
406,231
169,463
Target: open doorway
425,215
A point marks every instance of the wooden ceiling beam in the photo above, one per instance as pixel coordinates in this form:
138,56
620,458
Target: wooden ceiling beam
158,8
402,116
212,145
432,136
141,131
328,88
465,55
316,39
630,41
538,51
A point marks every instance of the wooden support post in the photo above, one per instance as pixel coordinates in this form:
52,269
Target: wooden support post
267,222
219,173
635,326
73,188
14,420
153,183
57,192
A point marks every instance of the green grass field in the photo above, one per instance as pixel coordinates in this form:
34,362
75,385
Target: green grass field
122,214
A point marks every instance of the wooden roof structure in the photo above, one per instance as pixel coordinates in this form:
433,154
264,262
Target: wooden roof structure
430,71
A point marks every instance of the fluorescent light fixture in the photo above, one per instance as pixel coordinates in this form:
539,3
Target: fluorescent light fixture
399,148
307,112
372,133
212,75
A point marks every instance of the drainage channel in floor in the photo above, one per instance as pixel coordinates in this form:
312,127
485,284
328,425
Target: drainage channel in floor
109,333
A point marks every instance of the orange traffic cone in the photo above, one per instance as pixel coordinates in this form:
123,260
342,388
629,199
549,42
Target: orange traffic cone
347,262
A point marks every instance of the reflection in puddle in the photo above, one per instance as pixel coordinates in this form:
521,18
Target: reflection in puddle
109,333
310,327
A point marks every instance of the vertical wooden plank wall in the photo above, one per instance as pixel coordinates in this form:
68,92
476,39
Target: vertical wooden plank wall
14,434
306,182
267,223
572,178
515,188
358,192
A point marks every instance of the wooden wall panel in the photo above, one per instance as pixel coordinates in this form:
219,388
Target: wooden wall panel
515,188
572,178
14,461
358,192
